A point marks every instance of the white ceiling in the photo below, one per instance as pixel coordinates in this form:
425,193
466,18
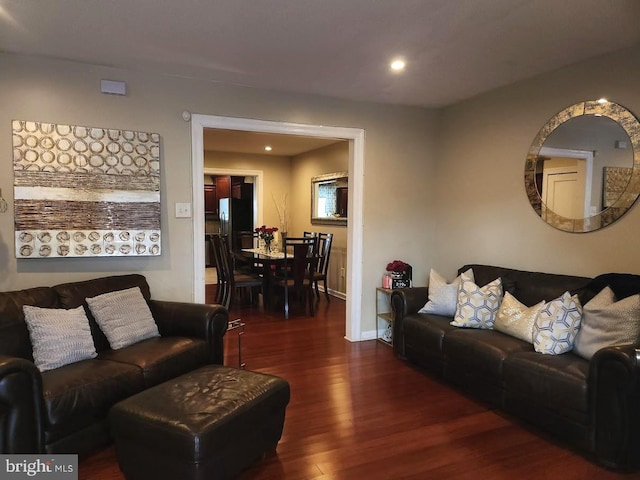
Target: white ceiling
454,49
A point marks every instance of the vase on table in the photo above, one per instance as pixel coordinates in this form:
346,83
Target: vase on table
267,246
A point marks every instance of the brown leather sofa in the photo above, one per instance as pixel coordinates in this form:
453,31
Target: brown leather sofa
591,405
64,410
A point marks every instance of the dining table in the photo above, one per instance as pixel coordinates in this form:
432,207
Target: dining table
269,262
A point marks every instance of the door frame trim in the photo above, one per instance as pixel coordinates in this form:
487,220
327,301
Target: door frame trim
353,324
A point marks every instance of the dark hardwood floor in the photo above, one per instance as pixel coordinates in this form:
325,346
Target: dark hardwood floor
357,412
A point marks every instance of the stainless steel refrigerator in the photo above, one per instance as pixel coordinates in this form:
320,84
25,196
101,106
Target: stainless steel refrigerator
236,215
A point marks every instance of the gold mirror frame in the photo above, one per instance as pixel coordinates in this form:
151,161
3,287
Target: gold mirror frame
338,178
627,198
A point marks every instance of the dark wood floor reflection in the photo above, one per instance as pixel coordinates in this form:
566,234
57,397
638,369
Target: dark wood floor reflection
357,412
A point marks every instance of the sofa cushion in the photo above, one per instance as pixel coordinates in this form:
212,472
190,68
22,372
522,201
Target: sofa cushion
607,322
558,382
162,358
477,306
423,334
82,393
123,316
557,324
59,337
481,352
516,319
443,296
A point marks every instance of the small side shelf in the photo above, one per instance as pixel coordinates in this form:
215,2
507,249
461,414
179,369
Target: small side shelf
384,316
239,325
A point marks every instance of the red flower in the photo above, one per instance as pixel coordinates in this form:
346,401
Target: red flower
266,233
397,266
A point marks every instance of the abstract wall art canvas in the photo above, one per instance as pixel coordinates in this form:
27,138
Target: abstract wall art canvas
85,192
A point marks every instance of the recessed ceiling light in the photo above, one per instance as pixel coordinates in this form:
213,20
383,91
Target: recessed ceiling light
397,65
268,148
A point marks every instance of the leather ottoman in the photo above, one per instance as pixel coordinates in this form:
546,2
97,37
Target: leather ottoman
211,423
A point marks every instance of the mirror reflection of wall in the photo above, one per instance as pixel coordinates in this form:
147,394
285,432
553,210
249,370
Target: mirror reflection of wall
329,198
581,148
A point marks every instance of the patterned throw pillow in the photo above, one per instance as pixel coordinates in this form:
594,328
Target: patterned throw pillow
516,319
476,306
606,322
124,317
58,336
443,296
557,324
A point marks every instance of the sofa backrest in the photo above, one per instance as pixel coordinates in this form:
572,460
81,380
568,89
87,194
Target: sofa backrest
14,335
531,287
72,295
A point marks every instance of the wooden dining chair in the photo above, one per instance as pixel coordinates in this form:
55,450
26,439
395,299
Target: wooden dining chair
297,275
229,280
245,240
324,251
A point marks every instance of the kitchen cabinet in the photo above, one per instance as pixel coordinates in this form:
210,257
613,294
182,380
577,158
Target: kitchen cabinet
210,200
223,187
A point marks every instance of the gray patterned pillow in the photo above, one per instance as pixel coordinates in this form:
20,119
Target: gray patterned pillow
443,296
58,336
477,306
124,317
557,324
606,322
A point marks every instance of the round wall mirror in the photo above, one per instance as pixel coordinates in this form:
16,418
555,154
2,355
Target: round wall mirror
583,168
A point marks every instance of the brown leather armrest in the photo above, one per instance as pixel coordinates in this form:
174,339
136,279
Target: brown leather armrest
21,406
615,395
197,320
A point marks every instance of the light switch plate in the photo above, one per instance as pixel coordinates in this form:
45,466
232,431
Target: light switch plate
183,210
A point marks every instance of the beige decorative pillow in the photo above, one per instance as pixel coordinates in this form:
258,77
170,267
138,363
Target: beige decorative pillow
477,306
58,336
124,317
443,296
516,319
607,322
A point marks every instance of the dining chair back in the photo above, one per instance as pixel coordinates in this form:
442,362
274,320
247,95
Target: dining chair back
312,234
324,252
297,279
222,286
232,280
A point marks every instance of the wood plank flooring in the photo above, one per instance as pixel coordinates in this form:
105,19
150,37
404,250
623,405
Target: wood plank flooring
357,412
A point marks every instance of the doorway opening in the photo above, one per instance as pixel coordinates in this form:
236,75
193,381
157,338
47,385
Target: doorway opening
355,136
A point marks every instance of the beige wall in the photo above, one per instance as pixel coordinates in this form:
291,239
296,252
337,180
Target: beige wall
276,173
333,158
483,212
399,150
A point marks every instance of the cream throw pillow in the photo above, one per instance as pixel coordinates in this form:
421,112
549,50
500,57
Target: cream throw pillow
557,324
443,296
124,317
516,319
606,322
477,306
58,336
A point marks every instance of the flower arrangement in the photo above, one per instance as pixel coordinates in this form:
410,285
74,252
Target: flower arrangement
266,234
399,275
398,266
